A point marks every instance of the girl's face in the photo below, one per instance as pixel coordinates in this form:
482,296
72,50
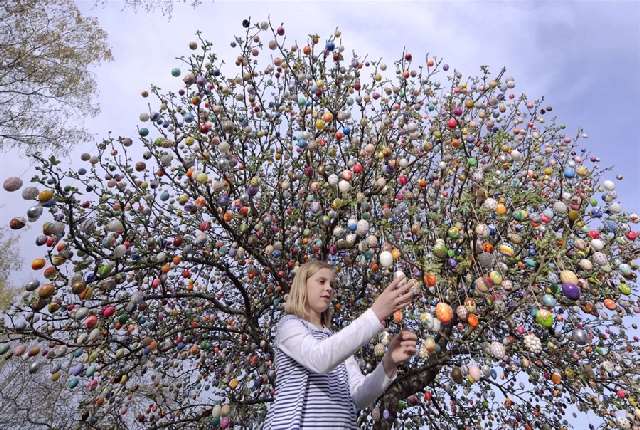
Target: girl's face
320,291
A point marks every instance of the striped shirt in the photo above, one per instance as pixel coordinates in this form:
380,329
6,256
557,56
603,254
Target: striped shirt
319,383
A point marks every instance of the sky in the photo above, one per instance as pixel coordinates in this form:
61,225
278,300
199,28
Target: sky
582,56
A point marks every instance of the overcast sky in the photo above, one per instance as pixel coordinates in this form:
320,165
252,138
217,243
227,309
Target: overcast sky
583,57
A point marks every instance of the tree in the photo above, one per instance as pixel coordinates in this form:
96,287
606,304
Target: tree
165,6
9,261
45,84
169,255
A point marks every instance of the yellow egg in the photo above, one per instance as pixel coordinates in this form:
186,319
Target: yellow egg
320,124
45,195
568,277
501,209
582,171
505,250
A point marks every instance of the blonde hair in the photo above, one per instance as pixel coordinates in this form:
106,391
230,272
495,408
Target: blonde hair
296,302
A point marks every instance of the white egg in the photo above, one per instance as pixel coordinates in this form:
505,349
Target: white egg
386,259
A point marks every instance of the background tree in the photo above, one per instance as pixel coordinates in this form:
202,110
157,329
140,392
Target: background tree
9,261
166,262
45,84
164,6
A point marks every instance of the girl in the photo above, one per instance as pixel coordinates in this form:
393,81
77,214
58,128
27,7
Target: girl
318,381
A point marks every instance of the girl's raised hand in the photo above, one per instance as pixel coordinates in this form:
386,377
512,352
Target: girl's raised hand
402,347
396,296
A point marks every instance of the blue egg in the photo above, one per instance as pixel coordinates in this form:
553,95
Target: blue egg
549,300
82,171
610,225
530,262
90,277
596,212
346,131
569,172
76,370
223,200
143,132
72,383
330,46
164,196
493,374
175,72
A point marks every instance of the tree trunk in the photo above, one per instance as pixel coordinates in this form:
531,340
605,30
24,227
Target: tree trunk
407,384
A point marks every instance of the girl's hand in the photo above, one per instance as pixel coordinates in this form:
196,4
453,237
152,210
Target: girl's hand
396,296
401,348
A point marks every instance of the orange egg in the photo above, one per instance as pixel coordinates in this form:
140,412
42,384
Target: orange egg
46,291
397,316
609,304
472,319
327,117
501,209
444,312
228,216
50,272
430,279
38,263
556,378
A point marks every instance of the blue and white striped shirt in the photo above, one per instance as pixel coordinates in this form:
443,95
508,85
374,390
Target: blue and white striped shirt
319,383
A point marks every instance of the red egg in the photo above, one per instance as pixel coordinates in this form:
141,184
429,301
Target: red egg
108,311
91,321
452,123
